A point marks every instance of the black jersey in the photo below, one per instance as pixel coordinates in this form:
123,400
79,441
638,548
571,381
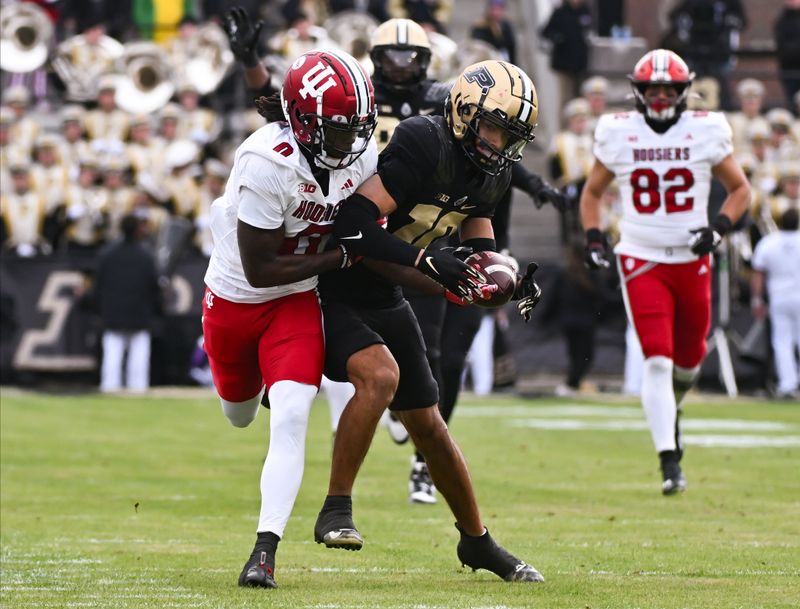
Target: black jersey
394,106
436,187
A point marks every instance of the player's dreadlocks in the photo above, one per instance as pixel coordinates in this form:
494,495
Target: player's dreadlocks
270,108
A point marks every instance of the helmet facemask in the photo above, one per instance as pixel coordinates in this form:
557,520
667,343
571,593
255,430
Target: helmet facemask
486,156
657,111
400,67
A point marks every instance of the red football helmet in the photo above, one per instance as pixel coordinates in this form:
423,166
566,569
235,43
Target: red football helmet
328,100
661,67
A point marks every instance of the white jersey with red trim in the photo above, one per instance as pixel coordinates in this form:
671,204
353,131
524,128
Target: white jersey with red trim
270,164
664,179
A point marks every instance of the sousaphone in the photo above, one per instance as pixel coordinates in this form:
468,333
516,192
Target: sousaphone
25,34
145,82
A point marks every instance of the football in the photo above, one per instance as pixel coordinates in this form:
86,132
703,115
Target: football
499,270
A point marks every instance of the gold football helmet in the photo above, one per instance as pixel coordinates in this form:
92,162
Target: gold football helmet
400,52
501,93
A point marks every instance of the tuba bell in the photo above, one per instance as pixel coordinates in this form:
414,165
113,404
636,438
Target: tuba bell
206,60
352,32
25,34
144,81
81,60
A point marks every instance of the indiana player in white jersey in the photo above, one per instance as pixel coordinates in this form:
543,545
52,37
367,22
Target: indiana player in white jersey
663,158
261,317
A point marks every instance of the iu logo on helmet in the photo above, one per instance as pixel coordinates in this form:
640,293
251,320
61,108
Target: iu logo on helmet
317,80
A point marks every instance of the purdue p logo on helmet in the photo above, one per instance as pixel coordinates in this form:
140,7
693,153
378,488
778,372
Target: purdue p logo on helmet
502,93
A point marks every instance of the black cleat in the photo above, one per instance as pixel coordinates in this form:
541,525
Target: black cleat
335,528
673,479
420,485
259,571
484,553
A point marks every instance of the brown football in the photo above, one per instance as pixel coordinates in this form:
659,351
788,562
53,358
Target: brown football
499,270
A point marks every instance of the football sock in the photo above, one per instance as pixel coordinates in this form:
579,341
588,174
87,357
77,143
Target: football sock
338,503
283,467
682,381
338,394
241,414
658,401
266,541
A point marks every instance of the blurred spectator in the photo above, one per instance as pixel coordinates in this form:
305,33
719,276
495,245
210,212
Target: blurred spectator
73,142
80,61
128,298
706,33
494,29
50,175
145,153
303,36
86,209
567,31
574,306
433,15
776,266
317,11
198,124
751,98
118,192
595,91
106,122
787,39
169,120
782,138
22,213
7,118
25,128
570,159
179,182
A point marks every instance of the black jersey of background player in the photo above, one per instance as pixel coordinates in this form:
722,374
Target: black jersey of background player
426,98
435,187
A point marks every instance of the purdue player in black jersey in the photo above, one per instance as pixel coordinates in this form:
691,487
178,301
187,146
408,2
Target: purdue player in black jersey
437,176
400,52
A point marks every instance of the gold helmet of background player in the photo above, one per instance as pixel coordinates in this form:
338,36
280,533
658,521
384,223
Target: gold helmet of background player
400,52
501,93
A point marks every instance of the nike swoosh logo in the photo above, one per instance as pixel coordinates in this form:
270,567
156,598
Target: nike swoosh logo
426,111
469,206
429,262
358,236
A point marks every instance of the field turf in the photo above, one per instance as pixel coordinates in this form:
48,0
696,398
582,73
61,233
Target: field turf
127,502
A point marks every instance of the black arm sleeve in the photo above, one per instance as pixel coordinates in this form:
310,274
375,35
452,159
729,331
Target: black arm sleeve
523,179
480,244
357,229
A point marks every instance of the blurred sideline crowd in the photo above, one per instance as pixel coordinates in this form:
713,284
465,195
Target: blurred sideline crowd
112,109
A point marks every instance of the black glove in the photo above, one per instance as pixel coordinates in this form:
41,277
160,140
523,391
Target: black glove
705,240
596,252
542,192
528,292
243,35
462,252
445,269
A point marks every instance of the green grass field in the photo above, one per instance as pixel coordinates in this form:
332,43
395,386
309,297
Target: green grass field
152,502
